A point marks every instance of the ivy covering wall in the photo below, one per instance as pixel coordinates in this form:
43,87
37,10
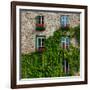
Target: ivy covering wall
49,62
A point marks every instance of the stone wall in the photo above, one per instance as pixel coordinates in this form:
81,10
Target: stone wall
52,23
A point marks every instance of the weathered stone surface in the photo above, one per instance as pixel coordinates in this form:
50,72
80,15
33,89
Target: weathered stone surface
52,23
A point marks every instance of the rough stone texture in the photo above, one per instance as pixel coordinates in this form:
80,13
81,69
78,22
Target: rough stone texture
51,21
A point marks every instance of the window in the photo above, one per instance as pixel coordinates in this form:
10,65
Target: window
40,20
65,41
64,21
66,66
40,23
40,42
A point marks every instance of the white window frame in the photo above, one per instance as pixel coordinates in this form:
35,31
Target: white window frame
65,41
37,42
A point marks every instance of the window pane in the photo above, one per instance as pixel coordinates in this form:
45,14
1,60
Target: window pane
43,40
65,20
42,19
67,40
62,21
63,39
39,42
39,19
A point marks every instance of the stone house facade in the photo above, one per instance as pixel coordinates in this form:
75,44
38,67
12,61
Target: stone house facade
51,21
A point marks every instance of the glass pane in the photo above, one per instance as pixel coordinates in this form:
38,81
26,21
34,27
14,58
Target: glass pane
67,40
63,39
43,40
62,20
39,42
65,20
42,19
39,19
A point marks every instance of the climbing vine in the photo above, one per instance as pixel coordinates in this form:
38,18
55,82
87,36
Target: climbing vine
49,62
